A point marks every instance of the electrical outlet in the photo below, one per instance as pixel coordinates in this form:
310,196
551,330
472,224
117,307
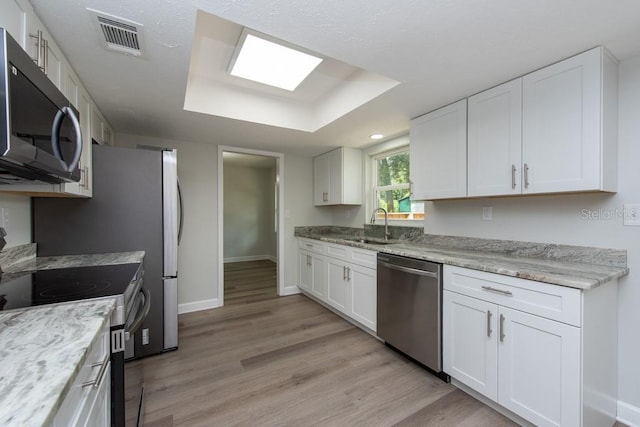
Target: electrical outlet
145,336
631,214
487,213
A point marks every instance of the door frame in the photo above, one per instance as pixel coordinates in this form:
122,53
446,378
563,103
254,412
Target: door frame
280,209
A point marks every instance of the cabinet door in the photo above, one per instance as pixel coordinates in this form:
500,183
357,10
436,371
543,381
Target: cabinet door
495,140
337,289
439,153
13,18
304,270
363,288
335,177
98,411
318,278
561,126
86,161
539,365
320,180
470,350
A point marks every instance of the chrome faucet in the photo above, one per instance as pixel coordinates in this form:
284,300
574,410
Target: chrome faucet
386,221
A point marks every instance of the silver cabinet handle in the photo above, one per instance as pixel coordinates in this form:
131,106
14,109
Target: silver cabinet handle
489,323
309,260
39,59
501,328
513,177
103,368
498,291
348,274
309,245
526,175
46,57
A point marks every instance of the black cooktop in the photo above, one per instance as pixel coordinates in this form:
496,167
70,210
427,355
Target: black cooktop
64,284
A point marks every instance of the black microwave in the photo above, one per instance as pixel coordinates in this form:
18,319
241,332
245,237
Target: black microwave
40,137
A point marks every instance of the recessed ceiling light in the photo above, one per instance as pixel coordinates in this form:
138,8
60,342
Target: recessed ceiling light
376,136
271,63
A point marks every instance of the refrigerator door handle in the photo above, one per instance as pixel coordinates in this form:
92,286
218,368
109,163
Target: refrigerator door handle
180,212
170,212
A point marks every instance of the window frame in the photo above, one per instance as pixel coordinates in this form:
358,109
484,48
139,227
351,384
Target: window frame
374,158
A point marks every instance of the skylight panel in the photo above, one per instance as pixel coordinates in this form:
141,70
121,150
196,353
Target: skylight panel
271,63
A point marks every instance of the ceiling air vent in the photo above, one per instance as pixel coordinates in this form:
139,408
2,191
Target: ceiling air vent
119,34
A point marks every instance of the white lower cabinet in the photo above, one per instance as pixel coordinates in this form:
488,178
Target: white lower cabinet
337,285
470,350
311,273
88,401
539,368
342,277
362,295
311,267
531,364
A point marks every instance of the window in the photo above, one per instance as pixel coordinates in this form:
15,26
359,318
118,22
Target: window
391,186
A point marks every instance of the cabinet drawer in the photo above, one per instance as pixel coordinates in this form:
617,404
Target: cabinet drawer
312,245
551,301
91,375
339,251
363,257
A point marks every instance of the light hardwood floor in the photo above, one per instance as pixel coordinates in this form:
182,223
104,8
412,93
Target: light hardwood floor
266,361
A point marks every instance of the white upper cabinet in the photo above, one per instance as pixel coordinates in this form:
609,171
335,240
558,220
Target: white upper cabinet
337,177
569,125
13,18
551,131
495,141
438,152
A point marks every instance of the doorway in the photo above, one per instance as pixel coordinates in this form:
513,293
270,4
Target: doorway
250,243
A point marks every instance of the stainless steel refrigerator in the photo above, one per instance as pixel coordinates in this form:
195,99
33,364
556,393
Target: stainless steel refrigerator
135,206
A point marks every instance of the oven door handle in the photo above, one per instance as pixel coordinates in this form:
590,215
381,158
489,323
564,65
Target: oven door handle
135,325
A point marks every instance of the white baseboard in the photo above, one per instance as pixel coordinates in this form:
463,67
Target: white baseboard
190,307
628,414
290,290
248,258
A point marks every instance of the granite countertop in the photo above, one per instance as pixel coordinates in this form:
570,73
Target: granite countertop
22,259
42,350
572,266
43,347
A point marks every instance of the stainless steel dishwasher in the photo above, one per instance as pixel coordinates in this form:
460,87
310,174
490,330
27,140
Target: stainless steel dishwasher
410,309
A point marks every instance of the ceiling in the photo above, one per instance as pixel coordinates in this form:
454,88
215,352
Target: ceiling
440,51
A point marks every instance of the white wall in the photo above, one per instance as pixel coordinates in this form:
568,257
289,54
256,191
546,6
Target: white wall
249,230
17,220
586,220
298,209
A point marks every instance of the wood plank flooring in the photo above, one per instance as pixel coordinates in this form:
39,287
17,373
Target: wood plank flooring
266,361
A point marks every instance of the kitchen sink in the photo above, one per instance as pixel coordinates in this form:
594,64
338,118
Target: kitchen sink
370,242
